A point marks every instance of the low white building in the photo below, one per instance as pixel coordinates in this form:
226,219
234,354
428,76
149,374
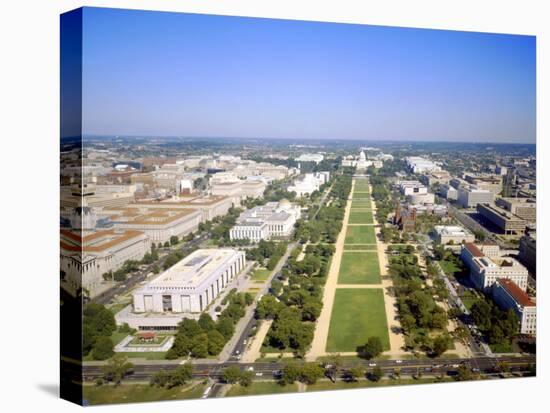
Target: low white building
274,220
309,183
412,188
486,266
417,165
507,295
447,233
310,157
188,287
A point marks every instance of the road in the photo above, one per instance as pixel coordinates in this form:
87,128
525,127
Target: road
475,340
140,276
242,341
268,370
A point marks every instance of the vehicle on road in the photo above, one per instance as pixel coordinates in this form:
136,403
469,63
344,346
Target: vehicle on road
372,364
398,361
206,392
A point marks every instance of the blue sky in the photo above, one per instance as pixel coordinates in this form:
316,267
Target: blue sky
173,74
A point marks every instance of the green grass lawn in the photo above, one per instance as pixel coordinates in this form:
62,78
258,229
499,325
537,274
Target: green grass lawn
365,247
361,203
261,387
325,385
135,393
359,268
360,217
360,235
357,314
449,267
260,274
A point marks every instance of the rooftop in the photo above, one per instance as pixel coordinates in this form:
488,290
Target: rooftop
191,271
98,241
515,292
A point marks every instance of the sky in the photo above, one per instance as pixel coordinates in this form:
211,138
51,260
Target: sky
173,74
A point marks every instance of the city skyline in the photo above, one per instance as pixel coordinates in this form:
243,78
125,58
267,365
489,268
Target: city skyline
174,74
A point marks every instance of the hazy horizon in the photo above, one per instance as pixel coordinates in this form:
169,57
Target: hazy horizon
159,74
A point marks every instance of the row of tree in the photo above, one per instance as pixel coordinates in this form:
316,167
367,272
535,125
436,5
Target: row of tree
205,337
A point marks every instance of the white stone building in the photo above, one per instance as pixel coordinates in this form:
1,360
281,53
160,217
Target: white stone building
275,220
507,295
486,266
188,287
447,233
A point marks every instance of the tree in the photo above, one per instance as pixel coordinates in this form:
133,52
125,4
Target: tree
225,327
376,374
245,378
355,372
481,314
231,374
216,341
180,375
199,346
173,240
440,345
311,372
159,378
464,373
206,322
117,368
373,347
290,373
103,348
311,309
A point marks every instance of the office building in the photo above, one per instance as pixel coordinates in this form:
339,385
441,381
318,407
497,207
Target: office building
419,165
507,295
455,234
505,221
469,197
524,208
86,255
528,251
486,266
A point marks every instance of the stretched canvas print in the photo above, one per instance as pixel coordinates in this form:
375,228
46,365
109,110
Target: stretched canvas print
260,206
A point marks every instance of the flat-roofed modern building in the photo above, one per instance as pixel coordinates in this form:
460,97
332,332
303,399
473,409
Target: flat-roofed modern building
449,192
159,224
524,208
412,188
189,286
528,251
507,295
447,233
86,256
507,222
436,177
210,206
486,269
470,196
417,164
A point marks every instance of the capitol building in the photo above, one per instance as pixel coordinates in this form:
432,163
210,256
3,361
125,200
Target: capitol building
360,162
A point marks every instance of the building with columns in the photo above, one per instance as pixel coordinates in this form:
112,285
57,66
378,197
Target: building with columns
86,256
274,220
188,287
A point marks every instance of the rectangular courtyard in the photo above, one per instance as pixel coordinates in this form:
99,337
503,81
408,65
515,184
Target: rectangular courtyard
357,314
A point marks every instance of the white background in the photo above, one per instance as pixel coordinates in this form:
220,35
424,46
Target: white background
29,136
